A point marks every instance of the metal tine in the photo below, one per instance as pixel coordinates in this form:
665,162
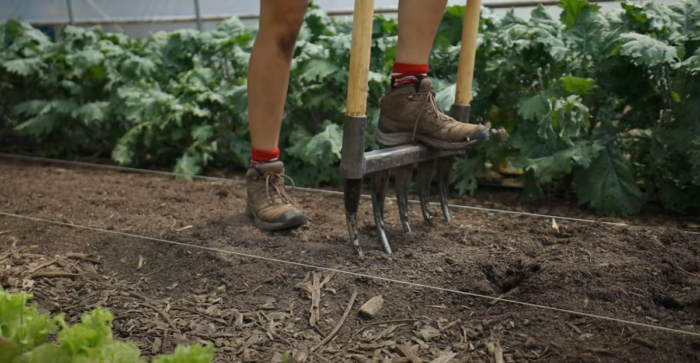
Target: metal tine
353,189
425,177
380,182
443,169
352,158
403,183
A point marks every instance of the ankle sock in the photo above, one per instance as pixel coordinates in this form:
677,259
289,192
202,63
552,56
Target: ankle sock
263,156
405,73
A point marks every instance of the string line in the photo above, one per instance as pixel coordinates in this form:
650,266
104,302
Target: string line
357,274
311,190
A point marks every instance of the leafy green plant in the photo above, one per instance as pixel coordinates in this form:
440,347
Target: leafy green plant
23,334
22,328
66,95
598,101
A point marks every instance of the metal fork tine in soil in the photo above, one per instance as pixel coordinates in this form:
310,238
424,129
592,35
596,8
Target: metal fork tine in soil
380,181
425,177
355,163
353,187
403,183
443,167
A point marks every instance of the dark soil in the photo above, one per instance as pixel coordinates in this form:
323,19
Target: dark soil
253,310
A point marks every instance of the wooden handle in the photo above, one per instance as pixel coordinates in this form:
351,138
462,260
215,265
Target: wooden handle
467,55
360,57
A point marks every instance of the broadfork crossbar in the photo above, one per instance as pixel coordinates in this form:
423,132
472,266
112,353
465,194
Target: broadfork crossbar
356,164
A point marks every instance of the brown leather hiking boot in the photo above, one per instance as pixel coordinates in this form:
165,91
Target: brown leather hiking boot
268,202
408,115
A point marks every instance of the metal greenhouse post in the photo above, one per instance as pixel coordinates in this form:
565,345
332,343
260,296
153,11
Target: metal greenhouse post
198,15
69,7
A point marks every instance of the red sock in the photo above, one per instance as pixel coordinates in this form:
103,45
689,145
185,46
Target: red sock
263,156
405,74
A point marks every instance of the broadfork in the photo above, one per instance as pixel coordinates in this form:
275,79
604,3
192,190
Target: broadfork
355,163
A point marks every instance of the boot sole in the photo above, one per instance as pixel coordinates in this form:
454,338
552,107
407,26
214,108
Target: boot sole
292,223
404,138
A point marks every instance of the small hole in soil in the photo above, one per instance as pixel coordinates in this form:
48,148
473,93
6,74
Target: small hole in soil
669,303
507,278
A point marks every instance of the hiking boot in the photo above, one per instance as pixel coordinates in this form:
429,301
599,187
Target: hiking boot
268,202
410,114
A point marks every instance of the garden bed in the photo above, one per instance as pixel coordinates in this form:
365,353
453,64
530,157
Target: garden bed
254,310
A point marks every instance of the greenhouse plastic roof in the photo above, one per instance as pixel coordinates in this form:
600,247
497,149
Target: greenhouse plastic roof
56,10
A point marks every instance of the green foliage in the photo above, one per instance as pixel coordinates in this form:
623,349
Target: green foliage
607,113
608,184
646,50
604,103
318,153
22,328
23,334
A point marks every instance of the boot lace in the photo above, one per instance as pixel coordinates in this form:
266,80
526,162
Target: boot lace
430,98
277,182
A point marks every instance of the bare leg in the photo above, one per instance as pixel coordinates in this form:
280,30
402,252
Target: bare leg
268,72
419,21
418,24
268,78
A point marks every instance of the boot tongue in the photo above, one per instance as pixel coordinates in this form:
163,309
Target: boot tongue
276,167
425,86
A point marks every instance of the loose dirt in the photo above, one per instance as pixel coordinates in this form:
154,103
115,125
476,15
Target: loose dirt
254,310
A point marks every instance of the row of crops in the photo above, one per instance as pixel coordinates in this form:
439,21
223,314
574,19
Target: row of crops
603,103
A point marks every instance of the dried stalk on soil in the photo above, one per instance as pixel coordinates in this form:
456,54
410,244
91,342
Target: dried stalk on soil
314,292
340,323
164,315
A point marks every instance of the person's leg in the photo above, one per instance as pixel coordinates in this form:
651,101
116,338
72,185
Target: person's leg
418,24
409,112
268,72
268,79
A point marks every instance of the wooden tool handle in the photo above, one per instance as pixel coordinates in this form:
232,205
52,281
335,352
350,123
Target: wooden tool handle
467,55
360,57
